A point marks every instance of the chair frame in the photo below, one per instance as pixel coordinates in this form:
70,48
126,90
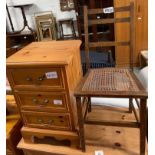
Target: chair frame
108,21
86,103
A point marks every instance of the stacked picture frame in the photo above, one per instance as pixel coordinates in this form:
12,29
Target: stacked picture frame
46,26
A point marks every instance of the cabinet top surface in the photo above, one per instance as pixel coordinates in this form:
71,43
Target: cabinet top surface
50,52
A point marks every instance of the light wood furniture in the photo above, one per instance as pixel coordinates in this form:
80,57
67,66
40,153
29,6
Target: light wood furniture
66,138
13,135
112,140
111,82
141,31
43,76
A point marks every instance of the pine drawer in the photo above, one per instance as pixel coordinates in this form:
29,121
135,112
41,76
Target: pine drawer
42,77
43,101
60,121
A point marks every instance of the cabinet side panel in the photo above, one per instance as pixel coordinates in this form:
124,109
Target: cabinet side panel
74,74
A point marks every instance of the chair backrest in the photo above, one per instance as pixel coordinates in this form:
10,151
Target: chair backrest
87,23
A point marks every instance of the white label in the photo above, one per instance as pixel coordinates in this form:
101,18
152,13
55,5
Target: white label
57,102
108,10
99,153
51,75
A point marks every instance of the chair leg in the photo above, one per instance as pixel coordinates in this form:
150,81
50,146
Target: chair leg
89,104
81,123
61,31
110,58
143,126
130,105
73,30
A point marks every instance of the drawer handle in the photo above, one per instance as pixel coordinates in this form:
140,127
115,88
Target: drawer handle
34,100
28,79
50,122
40,78
40,121
46,101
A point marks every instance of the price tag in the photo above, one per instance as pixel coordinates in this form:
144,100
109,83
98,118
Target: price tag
51,75
99,152
57,102
108,10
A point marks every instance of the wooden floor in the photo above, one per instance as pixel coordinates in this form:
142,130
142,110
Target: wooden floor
111,140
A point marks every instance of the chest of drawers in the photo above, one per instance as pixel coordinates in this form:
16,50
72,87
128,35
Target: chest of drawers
43,76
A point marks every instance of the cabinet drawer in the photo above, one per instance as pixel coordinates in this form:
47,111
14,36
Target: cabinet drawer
48,78
60,121
41,101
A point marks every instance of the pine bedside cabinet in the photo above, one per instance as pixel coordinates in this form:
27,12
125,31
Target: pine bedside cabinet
43,76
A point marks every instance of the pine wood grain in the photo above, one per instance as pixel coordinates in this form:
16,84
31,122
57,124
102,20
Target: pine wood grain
141,31
50,52
122,33
27,73
112,140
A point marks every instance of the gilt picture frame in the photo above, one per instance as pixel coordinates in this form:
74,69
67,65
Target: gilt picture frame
46,26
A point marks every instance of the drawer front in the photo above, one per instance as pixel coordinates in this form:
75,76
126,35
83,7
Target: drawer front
42,77
40,101
60,121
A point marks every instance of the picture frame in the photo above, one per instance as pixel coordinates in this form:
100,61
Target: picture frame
46,26
67,5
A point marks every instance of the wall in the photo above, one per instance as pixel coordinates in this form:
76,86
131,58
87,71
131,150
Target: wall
38,6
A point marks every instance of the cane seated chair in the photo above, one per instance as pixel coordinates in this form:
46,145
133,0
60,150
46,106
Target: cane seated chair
110,82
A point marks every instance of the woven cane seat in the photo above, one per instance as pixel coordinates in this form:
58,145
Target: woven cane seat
110,81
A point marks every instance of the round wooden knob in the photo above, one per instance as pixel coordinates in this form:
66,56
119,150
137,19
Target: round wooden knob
34,100
46,101
40,121
40,79
28,79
